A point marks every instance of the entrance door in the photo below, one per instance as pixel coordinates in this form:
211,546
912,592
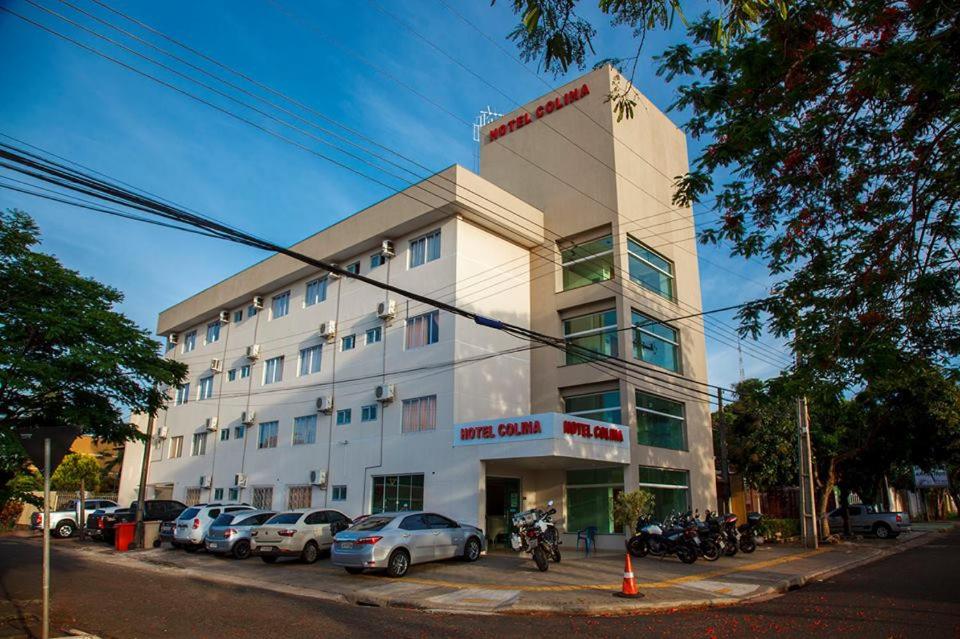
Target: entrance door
503,501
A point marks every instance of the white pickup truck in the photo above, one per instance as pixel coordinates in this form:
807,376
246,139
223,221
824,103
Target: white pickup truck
63,522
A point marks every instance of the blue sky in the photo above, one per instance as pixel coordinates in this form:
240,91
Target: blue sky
76,104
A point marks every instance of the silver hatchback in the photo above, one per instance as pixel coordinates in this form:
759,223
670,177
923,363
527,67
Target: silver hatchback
395,541
230,533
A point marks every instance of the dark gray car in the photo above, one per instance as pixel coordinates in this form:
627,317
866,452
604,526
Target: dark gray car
230,532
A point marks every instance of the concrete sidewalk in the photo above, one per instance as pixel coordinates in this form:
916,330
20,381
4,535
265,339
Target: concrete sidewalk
509,583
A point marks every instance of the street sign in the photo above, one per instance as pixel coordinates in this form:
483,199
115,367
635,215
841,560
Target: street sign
61,439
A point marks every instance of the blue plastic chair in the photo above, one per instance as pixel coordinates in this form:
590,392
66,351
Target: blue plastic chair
589,537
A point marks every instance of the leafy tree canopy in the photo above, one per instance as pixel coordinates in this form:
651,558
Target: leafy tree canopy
77,468
66,356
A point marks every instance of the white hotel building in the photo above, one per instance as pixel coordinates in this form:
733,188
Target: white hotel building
310,389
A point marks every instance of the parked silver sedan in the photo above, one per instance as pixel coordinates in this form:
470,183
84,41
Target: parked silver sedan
230,532
395,541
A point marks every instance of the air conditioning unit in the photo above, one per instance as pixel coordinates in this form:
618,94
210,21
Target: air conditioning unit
328,330
387,249
173,338
324,404
258,301
386,310
162,432
206,481
253,351
385,393
216,365
211,423
248,417
331,274
318,478
224,316
240,480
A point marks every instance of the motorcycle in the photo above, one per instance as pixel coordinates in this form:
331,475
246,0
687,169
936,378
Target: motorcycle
723,531
662,539
537,535
710,546
748,532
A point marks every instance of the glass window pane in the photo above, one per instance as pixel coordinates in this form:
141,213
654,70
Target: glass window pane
604,407
596,332
588,263
660,422
650,270
655,343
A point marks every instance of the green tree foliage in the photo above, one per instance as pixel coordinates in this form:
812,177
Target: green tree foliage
66,356
74,469
628,506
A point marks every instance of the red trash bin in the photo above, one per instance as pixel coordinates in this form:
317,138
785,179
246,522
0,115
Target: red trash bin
123,534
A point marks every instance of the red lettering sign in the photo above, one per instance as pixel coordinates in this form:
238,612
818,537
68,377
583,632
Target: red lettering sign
540,111
580,429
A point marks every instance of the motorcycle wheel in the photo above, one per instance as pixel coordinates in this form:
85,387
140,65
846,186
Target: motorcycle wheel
540,558
748,545
637,547
710,550
686,554
730,550
556,554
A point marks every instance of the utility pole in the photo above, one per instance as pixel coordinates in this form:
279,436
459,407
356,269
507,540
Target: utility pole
144,466
808,506
45,628
723,499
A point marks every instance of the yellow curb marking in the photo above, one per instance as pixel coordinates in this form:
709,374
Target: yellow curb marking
666,583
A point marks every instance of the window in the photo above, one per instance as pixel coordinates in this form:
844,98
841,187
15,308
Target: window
587,263
205,387
419,414
232,375
377,259
590,497
423,329
603,407
339,493
234,494
650,270
218,494
183,393
670,488
305,430
238,316
192,496
263,498
310,359
299,497
353,268
268,435
176,447
239,431
425,249
273,370
347,342
368,413
374,335
213,332
189,341
245,371
392,493
225,435
280,305
251,311
660,422
656,343
343,416
595,332
199,445
316,291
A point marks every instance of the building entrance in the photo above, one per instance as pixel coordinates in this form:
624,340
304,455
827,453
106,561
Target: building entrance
503,501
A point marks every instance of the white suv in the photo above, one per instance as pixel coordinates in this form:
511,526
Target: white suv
298,533
194,522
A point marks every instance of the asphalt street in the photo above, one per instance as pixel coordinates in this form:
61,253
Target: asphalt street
912,594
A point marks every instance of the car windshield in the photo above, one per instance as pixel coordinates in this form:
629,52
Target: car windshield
285,518
70,505
223,519
372,523
189,513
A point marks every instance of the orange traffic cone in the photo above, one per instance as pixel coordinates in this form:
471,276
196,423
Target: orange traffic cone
629,590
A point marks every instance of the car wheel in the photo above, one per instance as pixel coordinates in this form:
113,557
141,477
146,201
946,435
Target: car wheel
882,531
268,559
241,549
310,553
399,563
65,529
353,570
471,550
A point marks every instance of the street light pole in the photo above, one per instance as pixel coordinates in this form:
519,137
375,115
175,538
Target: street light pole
724,499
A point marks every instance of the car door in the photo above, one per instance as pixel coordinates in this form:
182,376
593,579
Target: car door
447,535
418,537
318,528
835,519
856,517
